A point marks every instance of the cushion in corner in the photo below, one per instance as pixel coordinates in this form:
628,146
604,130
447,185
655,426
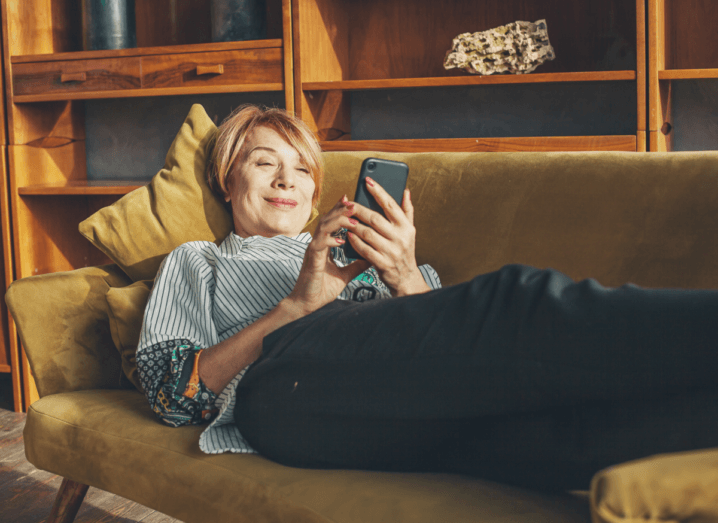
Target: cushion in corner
126,307
177,206
675,487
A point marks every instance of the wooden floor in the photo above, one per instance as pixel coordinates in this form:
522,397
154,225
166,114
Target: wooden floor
26,493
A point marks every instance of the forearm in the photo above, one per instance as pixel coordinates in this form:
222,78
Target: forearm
221,363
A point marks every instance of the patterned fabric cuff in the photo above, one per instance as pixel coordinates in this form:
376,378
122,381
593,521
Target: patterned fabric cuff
175,391
196,389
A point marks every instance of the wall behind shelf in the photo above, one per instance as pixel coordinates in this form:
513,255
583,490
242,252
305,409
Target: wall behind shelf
695,115
488,111
128,138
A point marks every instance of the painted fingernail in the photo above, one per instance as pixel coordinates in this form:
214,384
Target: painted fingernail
353,221
369,182
344,199
340,241
350,234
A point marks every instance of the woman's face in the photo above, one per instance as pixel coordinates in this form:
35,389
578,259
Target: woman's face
270,187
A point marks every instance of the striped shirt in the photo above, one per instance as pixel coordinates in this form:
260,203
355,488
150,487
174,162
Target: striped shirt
203,294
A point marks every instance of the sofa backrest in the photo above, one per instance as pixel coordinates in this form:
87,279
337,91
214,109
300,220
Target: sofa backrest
646,218
650,219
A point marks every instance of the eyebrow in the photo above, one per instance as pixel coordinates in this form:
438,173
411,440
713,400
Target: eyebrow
263,148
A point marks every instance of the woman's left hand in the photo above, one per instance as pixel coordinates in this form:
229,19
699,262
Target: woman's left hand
389,243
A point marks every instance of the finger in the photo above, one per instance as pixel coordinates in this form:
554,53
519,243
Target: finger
384,199
367,251
373,219
375,240
332,232
407,206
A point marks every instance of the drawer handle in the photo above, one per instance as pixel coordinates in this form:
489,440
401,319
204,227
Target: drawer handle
210,69
73,77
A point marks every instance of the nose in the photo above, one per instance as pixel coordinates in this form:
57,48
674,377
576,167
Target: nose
285,177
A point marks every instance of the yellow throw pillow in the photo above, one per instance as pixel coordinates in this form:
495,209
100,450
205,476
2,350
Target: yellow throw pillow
674,487
177,206
126,307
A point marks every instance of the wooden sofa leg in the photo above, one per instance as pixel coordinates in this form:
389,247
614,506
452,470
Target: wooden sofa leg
68,501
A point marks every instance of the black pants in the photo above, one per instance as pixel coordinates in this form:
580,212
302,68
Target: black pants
521,376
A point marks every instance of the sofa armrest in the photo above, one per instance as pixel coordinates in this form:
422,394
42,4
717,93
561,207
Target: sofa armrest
62,320
675,487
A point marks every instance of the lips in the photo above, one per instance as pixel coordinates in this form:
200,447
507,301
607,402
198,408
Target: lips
282,203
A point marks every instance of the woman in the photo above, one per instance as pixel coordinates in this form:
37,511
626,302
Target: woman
498,377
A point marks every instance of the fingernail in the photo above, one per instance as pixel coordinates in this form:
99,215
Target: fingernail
353,221
369,182
339,240
344,199
349,234
408,194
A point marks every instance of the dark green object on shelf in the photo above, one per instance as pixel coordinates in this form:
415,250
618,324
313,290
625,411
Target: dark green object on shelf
234,20
108,24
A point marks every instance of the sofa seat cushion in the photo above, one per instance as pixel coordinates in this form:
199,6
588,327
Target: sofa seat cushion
111,440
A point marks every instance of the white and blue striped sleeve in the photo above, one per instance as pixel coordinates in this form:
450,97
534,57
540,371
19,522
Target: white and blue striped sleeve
177,325
431,277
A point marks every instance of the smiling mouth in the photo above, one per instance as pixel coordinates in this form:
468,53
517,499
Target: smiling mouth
282,203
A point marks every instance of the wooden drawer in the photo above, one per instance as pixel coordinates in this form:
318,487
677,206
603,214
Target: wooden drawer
248,66
75,76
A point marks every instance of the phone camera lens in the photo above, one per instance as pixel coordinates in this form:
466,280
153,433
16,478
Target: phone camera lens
371,166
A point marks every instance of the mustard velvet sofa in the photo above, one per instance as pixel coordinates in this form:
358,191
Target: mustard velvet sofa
650,219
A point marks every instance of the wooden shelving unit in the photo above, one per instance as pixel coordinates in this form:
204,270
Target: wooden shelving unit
48,76
342,46
9,353
681,38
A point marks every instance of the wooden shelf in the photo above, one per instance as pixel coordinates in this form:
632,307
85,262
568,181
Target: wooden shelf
399,83
138,93
548,143
148,51
687,74
81,188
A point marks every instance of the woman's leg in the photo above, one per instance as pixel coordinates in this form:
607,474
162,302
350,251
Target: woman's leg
393,384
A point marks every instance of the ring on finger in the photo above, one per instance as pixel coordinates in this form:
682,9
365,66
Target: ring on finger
339,233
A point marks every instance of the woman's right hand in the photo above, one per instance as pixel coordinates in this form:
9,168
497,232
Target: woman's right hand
320,280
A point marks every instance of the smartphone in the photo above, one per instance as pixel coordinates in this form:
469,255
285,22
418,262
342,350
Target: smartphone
391,176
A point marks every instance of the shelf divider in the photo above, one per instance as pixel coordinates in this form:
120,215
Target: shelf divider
687,74
138,93
521,144
398,83
81,188
148,51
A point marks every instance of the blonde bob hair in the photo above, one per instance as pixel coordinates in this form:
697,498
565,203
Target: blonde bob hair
234,130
